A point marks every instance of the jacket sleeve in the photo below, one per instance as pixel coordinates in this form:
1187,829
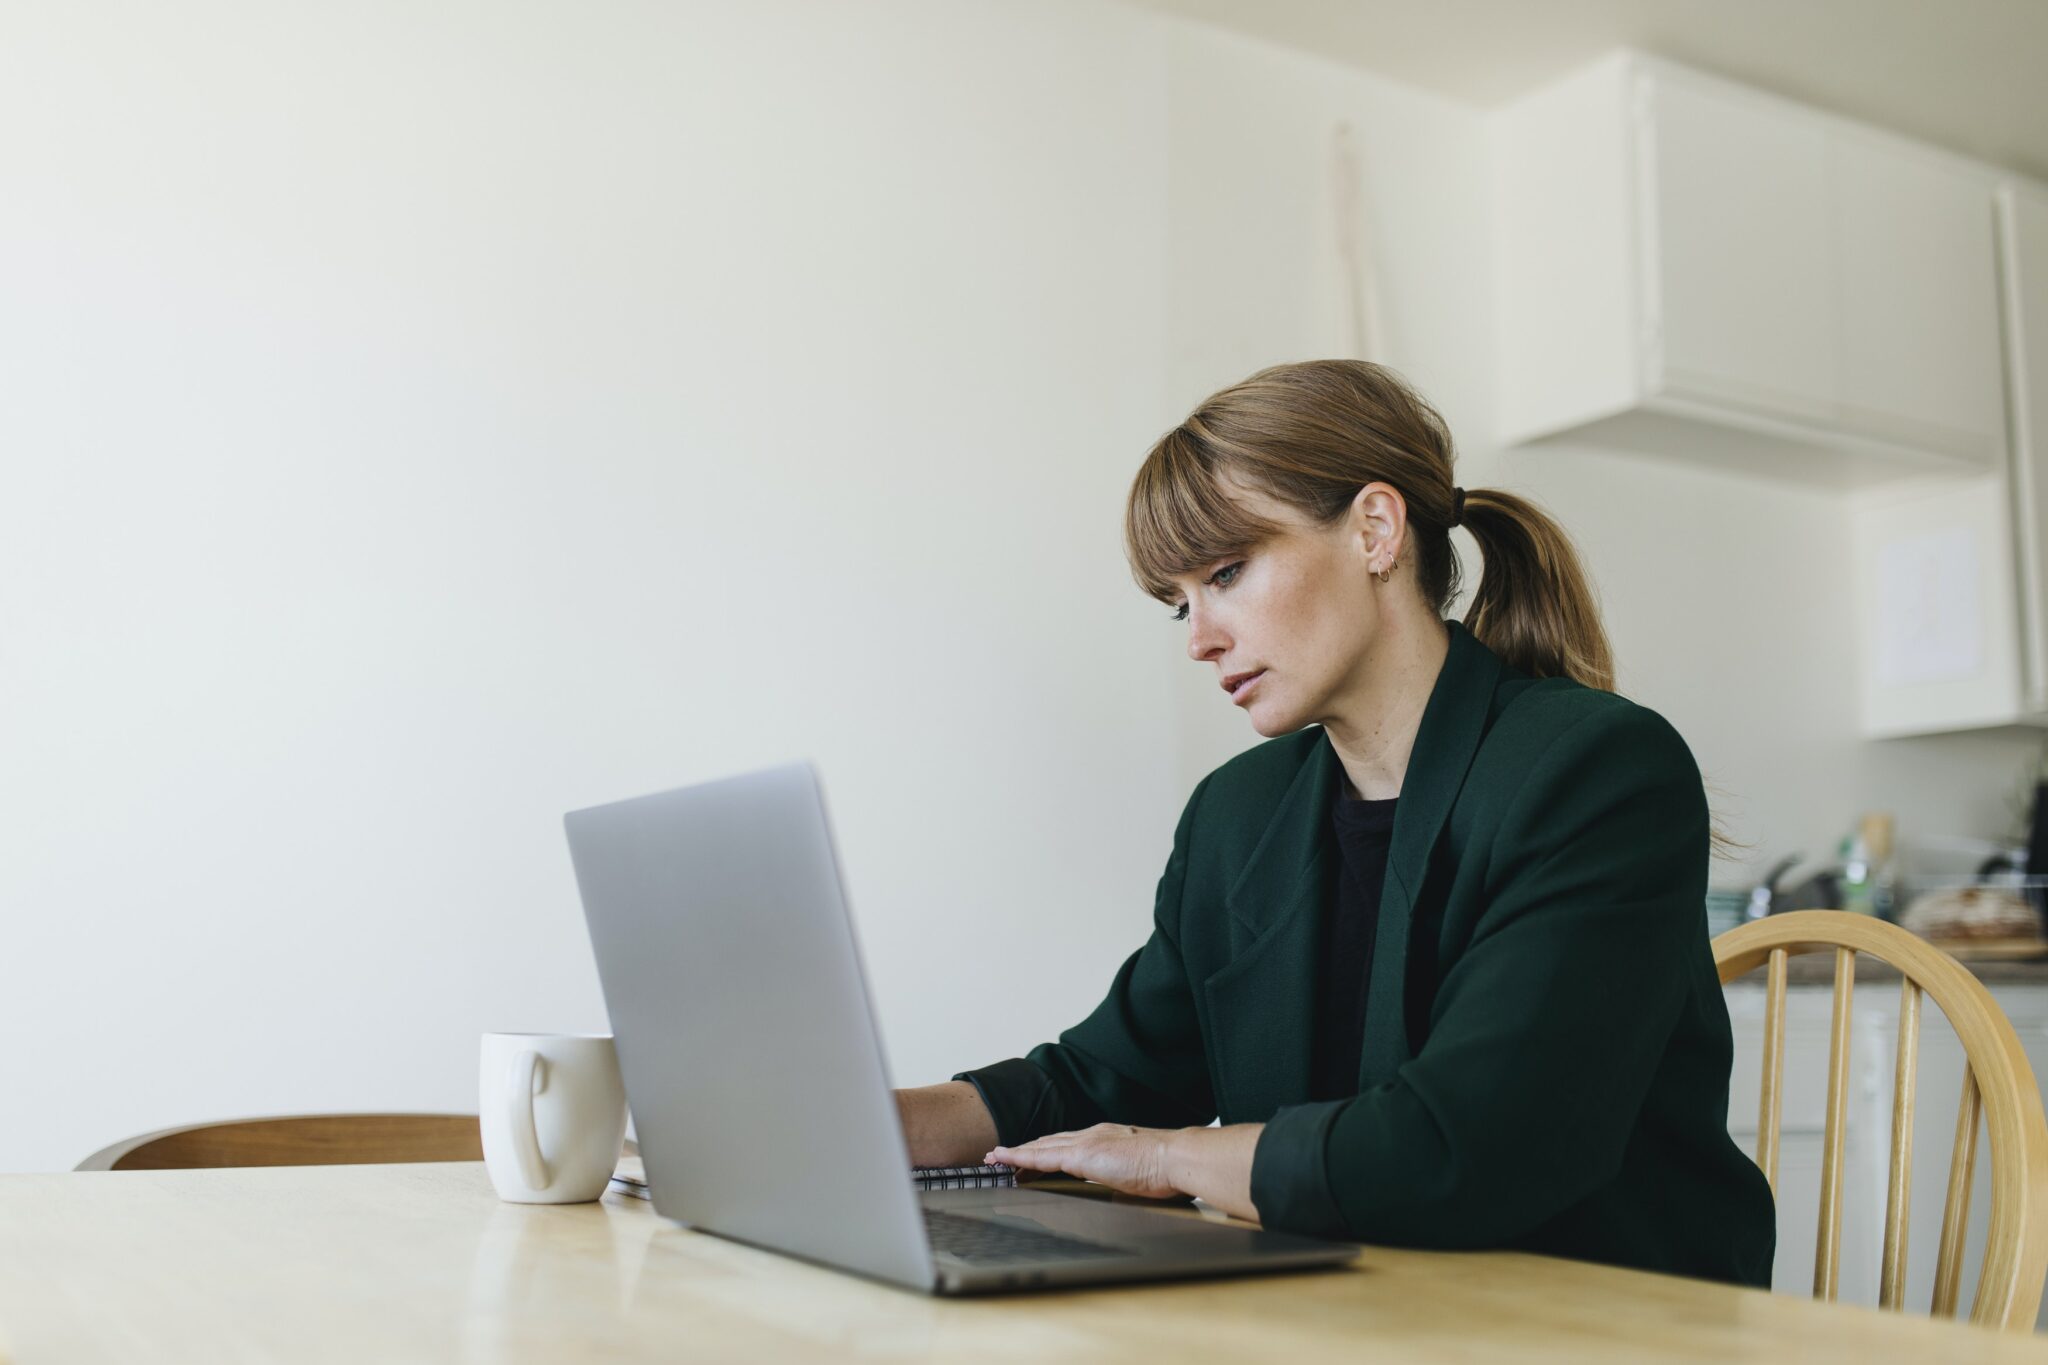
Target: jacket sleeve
1137,1058
1548,1029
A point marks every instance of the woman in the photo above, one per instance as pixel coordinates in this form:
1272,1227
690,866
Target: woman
1435,953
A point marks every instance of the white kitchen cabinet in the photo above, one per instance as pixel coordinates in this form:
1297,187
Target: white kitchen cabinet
1951,583
1690,267
1867,1142
2023,240
1938,607
1739,299
1916,258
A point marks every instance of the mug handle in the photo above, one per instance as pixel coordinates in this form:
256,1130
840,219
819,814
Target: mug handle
529,1075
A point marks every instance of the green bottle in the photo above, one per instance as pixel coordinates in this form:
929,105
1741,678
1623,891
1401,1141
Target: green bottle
1858,887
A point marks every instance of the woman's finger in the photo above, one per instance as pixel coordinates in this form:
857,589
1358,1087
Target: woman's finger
1033,1157
1045,1154
1040,1146
1029,1161
1056,1139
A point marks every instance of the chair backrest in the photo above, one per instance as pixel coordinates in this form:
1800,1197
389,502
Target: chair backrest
1997,1083
299,1140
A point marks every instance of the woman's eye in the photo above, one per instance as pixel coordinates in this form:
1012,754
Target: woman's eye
1180,613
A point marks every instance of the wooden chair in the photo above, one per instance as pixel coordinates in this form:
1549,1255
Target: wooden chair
300,1140
1997,1082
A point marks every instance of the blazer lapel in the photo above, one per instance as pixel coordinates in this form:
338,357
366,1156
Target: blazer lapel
1453,722
1262,1003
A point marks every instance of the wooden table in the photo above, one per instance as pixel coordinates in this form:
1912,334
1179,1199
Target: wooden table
402,1263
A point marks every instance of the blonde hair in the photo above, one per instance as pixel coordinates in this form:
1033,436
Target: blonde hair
1311,435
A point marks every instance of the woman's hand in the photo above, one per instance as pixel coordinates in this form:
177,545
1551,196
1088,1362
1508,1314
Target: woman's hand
1213,1165
1133,1160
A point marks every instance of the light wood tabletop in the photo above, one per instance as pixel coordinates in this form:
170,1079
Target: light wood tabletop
422,1262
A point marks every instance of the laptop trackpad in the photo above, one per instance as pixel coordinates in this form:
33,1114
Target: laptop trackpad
1096,1220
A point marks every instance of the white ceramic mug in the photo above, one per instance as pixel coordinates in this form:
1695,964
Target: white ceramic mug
553,1115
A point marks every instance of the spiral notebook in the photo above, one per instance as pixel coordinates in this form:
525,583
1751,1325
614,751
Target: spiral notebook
993,1177
631,1178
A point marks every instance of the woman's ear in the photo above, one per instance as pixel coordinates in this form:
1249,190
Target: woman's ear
1379,525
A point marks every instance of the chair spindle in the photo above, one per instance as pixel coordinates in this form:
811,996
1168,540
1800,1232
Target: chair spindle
1891,1284
1768,1116
1827,1256
1948,1262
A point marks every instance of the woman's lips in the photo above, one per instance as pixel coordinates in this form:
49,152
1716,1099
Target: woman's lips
1244,688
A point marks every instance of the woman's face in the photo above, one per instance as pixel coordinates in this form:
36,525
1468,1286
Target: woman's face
1298,610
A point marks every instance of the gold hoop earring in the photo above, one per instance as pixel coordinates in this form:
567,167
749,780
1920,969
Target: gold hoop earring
1384,574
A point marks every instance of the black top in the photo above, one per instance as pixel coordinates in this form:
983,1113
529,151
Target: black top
1364,830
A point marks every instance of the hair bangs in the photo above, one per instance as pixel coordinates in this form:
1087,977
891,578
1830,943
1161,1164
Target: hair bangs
1179,519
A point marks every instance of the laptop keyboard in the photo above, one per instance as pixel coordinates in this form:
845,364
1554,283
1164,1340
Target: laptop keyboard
982,1239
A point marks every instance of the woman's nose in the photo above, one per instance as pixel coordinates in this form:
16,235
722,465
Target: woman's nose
1204,640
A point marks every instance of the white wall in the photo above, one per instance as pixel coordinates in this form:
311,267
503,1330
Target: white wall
423,420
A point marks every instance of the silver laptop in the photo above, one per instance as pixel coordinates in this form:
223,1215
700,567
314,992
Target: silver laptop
755,1070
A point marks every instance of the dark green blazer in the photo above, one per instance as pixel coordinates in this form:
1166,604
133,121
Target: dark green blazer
1546,1044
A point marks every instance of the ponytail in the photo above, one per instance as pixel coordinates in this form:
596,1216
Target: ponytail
1533,605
